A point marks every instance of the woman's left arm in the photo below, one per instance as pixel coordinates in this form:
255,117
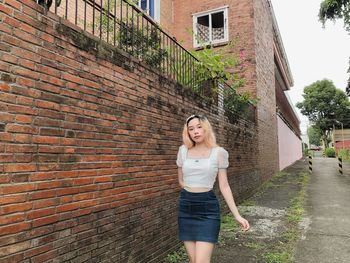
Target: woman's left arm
225,189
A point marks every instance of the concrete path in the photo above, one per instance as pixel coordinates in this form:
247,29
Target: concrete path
326,237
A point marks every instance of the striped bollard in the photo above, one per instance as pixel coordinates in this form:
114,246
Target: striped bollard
310,164
340,162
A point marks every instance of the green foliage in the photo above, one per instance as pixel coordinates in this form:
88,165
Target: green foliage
314,135
329,152
335,9
229,223
143,42
324,104
344,154
176,256
220,64
277,257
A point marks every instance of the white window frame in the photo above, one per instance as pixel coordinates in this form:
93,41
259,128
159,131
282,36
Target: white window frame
195,16
156,9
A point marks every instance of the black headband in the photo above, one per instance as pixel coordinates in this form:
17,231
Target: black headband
200,117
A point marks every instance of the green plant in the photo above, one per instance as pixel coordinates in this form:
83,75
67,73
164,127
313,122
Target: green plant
329,152
176,256
139,39
229,228
221,65
344,154
277,257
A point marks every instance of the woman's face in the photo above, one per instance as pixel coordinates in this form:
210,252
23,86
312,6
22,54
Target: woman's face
195,130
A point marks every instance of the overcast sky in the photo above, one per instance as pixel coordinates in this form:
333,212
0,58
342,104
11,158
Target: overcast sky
313,52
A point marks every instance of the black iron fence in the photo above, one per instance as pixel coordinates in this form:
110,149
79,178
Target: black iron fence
122,24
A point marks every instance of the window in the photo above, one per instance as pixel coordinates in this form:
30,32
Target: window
210,27
151,7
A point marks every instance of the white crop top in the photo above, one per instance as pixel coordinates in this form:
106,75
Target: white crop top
201,172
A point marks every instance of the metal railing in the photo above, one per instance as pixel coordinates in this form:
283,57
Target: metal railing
125,26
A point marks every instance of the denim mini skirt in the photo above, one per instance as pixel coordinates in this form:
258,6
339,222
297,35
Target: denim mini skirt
199,216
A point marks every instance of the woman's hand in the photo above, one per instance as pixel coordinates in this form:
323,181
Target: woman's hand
243,222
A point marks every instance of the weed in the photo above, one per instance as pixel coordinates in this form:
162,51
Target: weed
176,256
277,257
256,246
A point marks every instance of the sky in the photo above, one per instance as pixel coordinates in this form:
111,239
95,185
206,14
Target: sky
313,52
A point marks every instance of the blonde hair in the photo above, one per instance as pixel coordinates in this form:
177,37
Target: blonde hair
209,138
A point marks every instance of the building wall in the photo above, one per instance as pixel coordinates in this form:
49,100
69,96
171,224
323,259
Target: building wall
88,142
289,145
265,88
240,28
250,25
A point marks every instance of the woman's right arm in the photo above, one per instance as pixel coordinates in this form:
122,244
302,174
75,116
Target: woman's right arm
180,176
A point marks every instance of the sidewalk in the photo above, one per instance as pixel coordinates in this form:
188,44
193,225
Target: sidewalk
325,227
327,236
270,231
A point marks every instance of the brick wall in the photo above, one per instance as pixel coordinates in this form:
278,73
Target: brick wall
265,83
88,141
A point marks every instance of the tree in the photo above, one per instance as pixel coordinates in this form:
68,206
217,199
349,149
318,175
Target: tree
314,135
324,105
336,9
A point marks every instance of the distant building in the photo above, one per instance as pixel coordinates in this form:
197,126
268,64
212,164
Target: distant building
341,139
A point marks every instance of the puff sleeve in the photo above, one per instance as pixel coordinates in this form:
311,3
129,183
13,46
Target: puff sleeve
179,160
222,158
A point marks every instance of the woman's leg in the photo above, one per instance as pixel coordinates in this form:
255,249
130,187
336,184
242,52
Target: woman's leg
203,252
191,250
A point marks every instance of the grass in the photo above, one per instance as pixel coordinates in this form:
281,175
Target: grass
277,257
229,228
283,252
176,256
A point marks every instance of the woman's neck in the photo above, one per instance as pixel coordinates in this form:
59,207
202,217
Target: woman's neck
201,146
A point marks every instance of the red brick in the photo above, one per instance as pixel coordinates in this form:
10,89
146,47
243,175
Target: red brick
38,250
9,209
8,58
25,73
6,10
48,185
20,148
21,128
41,213
46,140
12,199
14,4
17,188
12,22
4,87
14,228
45,203
45,221
19,167
42,194
10,219
24,119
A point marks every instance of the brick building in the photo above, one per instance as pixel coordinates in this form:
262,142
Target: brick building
253,25
89,132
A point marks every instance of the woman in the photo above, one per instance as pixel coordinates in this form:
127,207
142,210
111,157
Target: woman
200,161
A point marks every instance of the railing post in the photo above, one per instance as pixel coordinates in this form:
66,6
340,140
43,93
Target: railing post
310,164
220,87
340,163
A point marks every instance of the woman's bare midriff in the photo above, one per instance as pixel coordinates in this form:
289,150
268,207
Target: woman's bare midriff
197,189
